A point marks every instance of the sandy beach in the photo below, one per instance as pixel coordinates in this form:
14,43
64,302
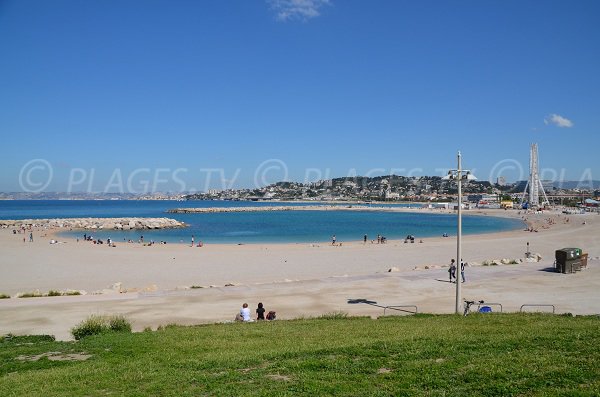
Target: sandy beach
151,284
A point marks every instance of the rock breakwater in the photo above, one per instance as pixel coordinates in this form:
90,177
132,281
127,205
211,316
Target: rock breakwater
275,208
95,223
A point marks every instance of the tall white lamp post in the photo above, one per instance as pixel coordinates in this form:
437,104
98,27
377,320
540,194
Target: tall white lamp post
459,175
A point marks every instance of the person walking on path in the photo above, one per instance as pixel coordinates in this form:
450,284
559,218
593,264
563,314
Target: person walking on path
452,270
462,271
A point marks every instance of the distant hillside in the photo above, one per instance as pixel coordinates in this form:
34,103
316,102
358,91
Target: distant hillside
576,184
565,185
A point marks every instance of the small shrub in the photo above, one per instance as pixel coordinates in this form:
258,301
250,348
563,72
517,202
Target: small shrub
168,326
118,323
4,296
28,339
566,315
30,295
95,325
513,262
196,287
334,315
60,293
147,329
485,263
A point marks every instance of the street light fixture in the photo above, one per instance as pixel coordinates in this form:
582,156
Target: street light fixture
459,175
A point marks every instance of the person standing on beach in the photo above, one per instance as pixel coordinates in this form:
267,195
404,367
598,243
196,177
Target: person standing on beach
452,270
192,240
333,240
31,237
365,239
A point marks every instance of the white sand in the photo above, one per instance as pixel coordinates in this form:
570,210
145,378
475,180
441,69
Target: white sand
292,279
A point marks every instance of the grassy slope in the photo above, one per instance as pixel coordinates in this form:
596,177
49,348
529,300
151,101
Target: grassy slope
480,355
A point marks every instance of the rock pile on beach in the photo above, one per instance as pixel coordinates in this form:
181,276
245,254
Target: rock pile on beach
95,223
530,258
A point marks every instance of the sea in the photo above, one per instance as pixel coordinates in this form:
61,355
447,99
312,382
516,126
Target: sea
255,227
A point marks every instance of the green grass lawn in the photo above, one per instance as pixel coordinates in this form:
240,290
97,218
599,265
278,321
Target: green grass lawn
422,355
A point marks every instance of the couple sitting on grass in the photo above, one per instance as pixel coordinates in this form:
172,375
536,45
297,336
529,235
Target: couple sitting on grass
244,314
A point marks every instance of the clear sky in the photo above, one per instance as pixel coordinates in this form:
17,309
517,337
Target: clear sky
110,95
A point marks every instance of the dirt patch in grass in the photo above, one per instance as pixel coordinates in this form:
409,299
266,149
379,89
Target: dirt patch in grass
56,356
282,378
246,370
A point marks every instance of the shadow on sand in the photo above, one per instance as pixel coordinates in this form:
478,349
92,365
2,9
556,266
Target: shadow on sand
360,300
398,308
548,269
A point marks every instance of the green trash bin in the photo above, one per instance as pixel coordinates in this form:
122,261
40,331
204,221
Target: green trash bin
568,260
568,267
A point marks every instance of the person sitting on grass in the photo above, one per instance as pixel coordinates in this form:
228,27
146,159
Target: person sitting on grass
245,313
260,312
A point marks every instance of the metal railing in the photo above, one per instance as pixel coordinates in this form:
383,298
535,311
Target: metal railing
415,309
400,308
537,305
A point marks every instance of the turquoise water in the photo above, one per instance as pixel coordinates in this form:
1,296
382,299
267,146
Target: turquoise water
255,227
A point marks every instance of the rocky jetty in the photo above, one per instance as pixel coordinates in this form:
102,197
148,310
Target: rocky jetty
273,208
95,223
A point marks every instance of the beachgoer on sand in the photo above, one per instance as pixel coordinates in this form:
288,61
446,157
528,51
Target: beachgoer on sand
462,271
333,240
452,270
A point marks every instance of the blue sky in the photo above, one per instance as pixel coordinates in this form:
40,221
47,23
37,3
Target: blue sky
174,95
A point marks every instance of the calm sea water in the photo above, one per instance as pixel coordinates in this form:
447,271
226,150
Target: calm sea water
254,227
